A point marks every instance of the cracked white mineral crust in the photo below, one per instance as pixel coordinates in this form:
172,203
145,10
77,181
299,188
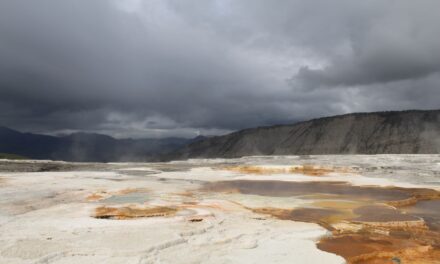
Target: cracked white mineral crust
157,213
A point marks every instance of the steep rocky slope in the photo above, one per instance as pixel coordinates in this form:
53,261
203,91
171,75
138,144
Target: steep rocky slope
359,133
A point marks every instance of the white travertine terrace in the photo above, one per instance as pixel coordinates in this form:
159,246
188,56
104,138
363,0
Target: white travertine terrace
46,217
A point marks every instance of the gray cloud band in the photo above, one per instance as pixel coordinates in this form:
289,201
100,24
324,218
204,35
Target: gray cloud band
167,68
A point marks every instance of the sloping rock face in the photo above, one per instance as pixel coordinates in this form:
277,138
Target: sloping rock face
410,132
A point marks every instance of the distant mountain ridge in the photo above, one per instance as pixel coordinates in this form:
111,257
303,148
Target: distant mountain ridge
86,147
398,132
394,132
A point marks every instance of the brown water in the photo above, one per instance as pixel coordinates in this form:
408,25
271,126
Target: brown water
287,189
366,229
378,213
323,217
429,211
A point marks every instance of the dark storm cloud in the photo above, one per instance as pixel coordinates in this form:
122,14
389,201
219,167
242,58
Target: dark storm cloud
165,68
399,43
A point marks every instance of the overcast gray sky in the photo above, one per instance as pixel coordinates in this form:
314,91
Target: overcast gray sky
159,68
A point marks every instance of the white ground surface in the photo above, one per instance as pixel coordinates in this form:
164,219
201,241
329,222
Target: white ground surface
46,218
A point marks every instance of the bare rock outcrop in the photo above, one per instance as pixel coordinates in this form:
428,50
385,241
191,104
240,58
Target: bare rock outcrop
404,132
